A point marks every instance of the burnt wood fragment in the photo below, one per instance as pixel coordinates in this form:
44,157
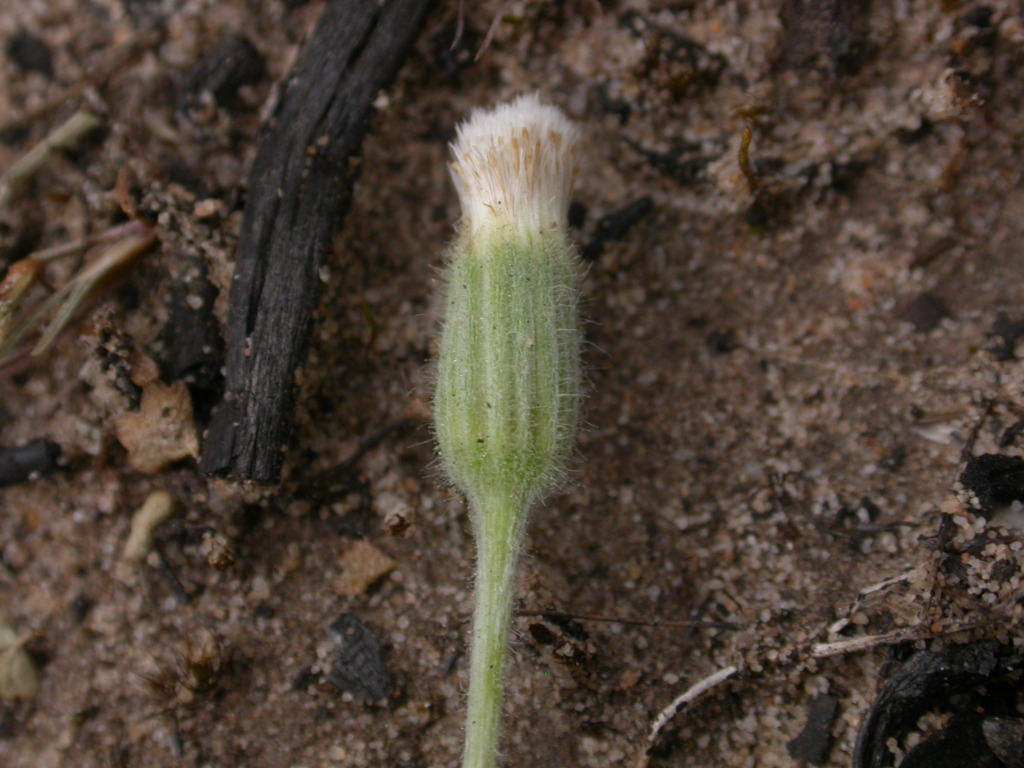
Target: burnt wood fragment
1011,433
217,77
1005,737
924,682
961,744
300,188
995,479
193,347
814,742
358,664
926,312
30,54
824,34
1008,332
615,226
28,461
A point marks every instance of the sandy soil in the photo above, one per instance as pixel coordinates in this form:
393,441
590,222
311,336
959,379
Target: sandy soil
790,360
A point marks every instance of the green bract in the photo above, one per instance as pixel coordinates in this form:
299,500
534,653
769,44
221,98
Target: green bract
507,397
508,377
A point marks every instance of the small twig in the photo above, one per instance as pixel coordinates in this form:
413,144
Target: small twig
65,302
110,264
25,273
842,623
692,693
703,686
752,118
177,742
866,643
53,253
68,134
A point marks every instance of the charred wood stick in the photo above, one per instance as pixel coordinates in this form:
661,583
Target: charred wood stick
300,188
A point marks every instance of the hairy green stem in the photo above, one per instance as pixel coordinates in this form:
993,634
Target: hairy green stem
499,534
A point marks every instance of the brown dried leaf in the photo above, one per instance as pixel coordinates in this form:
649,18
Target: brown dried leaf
162,431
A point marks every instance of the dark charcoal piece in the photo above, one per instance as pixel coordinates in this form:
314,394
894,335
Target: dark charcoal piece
79,608
721,342
925,681
814,742
304,679
913,135
300,189
8,722
615,226
452,60
30,53
28,462
926,312
568,625
194,349
1005,737
577,215
613,106
1008,332
1011,433
679,163
995,479
821,33
757,215
959,745
542,635
1003,570
233,63
979,16
358,667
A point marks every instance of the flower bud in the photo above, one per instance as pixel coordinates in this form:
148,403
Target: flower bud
508,384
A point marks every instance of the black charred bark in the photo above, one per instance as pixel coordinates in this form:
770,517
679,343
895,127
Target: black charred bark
300,188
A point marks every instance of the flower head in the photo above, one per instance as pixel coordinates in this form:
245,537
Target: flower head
515,166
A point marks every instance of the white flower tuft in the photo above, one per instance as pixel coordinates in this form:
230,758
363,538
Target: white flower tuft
515,166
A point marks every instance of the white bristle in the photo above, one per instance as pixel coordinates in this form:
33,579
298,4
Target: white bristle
515,166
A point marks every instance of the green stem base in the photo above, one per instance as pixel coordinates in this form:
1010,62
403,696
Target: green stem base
499,525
